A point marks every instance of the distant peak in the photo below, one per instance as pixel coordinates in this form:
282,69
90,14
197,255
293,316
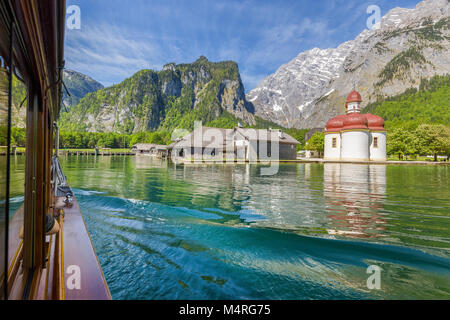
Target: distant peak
170,66
202,59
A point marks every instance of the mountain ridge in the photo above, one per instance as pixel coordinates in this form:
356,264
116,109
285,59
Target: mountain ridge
409,45
78,85
174,97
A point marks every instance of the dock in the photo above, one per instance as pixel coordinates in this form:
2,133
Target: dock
79,153
93,153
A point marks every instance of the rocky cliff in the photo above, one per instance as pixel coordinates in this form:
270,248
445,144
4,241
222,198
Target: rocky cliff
174,97
411,44
78,85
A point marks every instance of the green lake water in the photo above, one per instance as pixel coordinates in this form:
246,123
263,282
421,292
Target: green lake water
310,231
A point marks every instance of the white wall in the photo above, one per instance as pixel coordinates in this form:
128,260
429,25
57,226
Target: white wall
378,154
355,145
331,153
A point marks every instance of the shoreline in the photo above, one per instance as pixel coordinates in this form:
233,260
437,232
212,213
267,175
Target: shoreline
377,162
318,161
225,161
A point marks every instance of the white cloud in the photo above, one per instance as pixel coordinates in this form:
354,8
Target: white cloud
260,36
107,52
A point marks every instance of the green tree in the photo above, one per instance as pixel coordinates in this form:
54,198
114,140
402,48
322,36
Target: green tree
429,104
92,141
433,139
140,137
78,141
316,143
101,143
18,137
401,142
299,135
67,139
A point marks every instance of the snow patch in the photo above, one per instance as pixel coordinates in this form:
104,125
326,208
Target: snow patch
303,106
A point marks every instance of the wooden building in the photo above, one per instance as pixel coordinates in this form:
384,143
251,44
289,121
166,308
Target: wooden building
238,144
142,148
149,149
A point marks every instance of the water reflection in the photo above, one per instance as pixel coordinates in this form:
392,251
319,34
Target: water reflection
225,232
147,162
354,196
334,200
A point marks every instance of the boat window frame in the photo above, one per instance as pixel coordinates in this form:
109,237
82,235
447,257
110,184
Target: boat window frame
32,243
9,66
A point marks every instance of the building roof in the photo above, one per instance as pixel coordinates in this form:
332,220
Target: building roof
219,138
216,138
335,124
267,135
355,121
148,146
374,122
354,96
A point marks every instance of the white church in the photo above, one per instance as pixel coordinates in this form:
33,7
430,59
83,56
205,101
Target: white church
355,136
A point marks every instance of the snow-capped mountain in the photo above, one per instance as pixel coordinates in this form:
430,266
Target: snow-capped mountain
409,44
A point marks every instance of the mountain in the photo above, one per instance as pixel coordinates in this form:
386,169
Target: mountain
78,85
410,44
429,104
174,97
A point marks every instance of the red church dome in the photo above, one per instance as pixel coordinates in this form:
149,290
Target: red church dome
355,121
354,96
335,124
374,122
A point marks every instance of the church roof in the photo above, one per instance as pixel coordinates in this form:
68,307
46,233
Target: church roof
355,121
375,122
354,96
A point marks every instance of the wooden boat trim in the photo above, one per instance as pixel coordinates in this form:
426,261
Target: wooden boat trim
78,251
47,266
14,268
14,259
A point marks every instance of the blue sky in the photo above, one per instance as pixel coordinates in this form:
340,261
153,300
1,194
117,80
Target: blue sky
120,37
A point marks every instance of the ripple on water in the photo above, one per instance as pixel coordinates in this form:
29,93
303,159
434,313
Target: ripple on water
225,232
181,251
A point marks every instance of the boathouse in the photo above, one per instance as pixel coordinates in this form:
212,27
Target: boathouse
241,144
142,148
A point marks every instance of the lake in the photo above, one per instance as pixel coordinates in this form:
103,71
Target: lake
166,231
